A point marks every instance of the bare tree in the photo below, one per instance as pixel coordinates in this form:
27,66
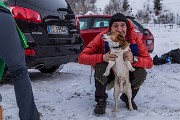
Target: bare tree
126,7
118,6
144,15
139,15
167,17
113,7
147,13
82,6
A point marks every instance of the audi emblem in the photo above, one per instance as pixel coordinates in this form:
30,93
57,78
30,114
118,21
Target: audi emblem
62,16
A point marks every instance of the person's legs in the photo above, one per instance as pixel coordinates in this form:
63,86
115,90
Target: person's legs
100,80
136,78
100,85
12,53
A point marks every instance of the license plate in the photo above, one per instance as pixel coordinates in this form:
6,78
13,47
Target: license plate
53,29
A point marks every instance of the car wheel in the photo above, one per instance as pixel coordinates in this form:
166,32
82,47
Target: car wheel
49,69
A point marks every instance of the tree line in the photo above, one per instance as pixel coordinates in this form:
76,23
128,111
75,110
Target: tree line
148,14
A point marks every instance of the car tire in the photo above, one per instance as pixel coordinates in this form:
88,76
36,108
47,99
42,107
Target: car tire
49,69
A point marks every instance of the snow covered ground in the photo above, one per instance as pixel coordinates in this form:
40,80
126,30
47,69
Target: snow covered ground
68,94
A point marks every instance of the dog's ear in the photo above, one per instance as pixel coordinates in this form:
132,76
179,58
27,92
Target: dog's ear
120,37
123,44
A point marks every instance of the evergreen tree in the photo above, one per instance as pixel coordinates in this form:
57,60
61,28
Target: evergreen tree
157,6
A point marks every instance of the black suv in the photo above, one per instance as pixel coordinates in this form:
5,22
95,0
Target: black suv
51,31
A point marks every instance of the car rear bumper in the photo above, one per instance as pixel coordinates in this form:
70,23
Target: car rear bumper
53,55
36,63
47,55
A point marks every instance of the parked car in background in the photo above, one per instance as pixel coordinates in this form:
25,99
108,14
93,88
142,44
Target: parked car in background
91,25
51,31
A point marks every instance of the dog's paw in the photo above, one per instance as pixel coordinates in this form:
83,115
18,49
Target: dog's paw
105,74
132,69
131,109
115,110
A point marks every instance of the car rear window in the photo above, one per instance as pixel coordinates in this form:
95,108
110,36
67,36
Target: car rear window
84,23
51,5
100,22
140,26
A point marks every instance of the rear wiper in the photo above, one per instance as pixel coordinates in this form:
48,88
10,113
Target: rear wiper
62,9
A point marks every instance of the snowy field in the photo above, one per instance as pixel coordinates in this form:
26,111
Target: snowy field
68,94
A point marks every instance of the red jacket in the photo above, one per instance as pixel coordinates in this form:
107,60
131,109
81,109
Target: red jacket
94,51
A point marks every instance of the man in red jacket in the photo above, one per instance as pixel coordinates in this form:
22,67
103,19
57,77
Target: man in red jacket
97,55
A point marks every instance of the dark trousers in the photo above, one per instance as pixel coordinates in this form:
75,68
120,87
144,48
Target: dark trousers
12,53
136,78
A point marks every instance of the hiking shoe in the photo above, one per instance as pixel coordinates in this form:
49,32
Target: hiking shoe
125,99
100,107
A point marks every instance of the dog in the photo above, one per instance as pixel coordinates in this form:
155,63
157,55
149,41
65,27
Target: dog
118,45
1,109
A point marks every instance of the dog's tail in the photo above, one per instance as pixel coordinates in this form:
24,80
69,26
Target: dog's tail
110,85
1,113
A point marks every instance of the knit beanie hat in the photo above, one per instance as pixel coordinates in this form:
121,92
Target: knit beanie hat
117,17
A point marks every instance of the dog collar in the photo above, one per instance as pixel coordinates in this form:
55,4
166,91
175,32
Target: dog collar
116,47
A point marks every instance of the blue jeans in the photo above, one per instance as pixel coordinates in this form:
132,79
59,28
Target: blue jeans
12,53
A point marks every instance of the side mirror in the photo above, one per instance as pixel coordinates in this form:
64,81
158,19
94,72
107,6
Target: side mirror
146,32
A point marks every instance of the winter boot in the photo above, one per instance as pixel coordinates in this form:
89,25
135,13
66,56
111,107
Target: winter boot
100,106
124,98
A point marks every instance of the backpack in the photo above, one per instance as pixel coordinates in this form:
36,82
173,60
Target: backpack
165,58
175,56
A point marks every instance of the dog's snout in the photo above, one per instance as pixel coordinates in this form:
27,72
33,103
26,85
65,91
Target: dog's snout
109,33
104,36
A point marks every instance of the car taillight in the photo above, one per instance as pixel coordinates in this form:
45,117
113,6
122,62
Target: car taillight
149,42
25,14
30,52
